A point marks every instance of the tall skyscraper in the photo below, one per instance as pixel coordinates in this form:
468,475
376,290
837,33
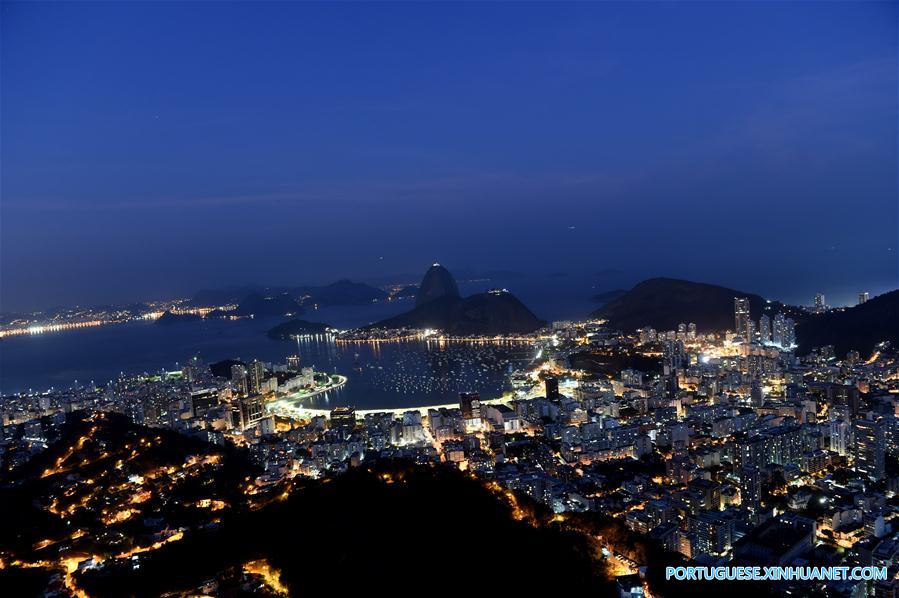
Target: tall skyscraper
239,379
765,330
256,373
869,449
820,304
863,297
839,437
789,333
783,332
741,316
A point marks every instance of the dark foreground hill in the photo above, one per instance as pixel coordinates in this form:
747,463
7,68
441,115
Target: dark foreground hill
663,303
364,529
859,328
484,313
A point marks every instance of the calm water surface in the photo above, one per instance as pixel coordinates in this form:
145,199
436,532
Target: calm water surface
383,375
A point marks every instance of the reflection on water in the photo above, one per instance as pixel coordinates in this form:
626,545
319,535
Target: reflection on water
412,373
379,375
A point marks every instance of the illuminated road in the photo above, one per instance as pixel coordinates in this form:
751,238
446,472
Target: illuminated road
286,408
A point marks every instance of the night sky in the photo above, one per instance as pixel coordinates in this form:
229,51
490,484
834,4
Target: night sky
150,150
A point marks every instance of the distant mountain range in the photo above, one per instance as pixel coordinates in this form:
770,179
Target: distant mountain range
342,292
663,303
439,306
274,305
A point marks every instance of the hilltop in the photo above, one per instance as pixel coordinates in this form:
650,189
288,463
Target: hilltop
859,328
439,306
663,303
275,305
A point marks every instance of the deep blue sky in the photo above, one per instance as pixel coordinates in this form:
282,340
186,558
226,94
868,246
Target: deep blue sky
154,149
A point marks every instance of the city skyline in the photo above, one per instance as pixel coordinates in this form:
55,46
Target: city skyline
151,150
492,298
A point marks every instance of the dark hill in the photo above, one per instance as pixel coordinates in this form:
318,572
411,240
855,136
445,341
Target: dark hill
663,303
608,296
484,313
436,284
859,328
342,292
339,559
407,291
276,305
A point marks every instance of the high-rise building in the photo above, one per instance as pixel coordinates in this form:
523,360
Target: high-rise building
239,379
470,405
783,332
741,316
552,387
680,437
714,532
839,437
203,400
789,333
780,445
343,418
249,411
820,304
756,394
751,489
765,330
869,448
862,297
256,373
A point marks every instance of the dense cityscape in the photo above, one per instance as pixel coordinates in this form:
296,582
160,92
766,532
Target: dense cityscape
717,446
